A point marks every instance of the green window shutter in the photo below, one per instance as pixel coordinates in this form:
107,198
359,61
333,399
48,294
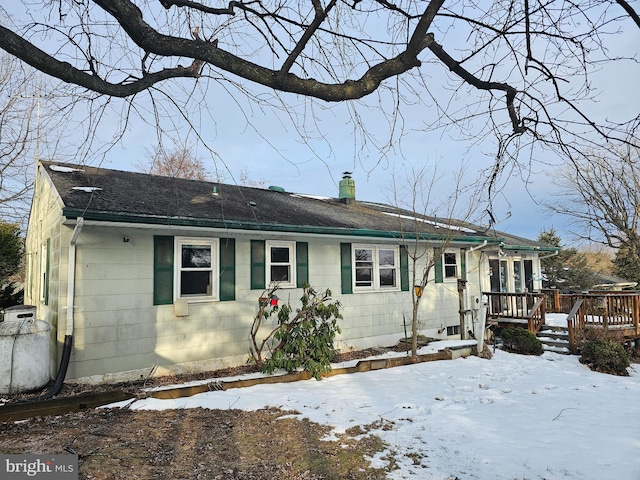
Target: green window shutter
46,273
404,269
302,264
227,269
345,268
437,265
463,263
258,265
162,270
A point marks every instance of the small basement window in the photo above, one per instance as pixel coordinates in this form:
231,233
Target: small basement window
453,330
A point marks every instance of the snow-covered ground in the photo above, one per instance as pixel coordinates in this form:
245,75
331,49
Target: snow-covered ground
512,417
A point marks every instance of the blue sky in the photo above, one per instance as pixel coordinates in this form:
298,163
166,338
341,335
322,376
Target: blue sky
265,143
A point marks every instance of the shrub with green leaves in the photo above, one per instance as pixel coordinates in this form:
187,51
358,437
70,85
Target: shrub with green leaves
606,356
300,340
520,340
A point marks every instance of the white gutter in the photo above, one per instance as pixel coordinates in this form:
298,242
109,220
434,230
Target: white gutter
72,275
478,247
550,255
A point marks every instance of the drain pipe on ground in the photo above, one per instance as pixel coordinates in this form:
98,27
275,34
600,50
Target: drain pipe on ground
68,336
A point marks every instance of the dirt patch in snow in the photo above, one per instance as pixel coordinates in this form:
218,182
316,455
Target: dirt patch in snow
196,443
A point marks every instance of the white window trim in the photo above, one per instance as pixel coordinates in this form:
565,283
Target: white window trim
43,271
444,266
376,268
292,262
177,267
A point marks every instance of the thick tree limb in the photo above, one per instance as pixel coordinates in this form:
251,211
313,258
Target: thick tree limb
200,7
629,9
66,72
130,18
471,79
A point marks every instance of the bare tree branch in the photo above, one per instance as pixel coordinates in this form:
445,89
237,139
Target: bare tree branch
519,71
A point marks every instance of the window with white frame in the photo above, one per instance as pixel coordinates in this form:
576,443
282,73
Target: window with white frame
44,272
450,263
376,267
196,264
280,263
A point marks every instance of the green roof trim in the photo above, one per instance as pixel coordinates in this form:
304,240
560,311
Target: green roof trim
73,213
530,248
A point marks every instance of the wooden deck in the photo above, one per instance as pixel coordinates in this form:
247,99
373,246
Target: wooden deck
517,309
616,313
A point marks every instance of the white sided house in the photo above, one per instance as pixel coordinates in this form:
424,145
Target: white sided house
148,273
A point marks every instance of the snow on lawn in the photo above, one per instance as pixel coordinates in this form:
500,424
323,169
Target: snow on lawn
511,417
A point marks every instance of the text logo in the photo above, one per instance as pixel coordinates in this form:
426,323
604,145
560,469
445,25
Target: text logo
51,467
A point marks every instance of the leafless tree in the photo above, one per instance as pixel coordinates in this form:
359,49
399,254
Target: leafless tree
179,162
522,70
435,220
601,198
20,130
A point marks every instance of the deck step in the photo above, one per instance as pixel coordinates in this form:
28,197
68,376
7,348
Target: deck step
561,350
554,335
554,339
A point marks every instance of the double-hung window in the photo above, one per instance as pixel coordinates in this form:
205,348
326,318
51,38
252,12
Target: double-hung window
450,260
281,263
196,266
376,267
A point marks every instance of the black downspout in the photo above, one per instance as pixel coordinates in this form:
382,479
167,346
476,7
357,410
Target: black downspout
62,370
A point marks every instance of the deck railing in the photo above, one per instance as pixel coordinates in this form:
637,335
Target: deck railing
528,307
573,324
616,313
557,302
611,311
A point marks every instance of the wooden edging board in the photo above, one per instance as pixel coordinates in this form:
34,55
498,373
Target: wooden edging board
60,406
361,366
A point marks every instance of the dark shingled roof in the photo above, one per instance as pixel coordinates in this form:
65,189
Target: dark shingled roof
120,196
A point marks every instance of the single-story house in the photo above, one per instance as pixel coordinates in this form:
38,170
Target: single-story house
149,272
609,282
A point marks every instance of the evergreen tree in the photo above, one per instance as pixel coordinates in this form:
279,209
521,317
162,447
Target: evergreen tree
11,250
626,263
568,270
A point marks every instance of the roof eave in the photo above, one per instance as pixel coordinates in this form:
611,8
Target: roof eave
530,248
128,218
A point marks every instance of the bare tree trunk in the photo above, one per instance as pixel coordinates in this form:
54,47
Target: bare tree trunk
414,326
